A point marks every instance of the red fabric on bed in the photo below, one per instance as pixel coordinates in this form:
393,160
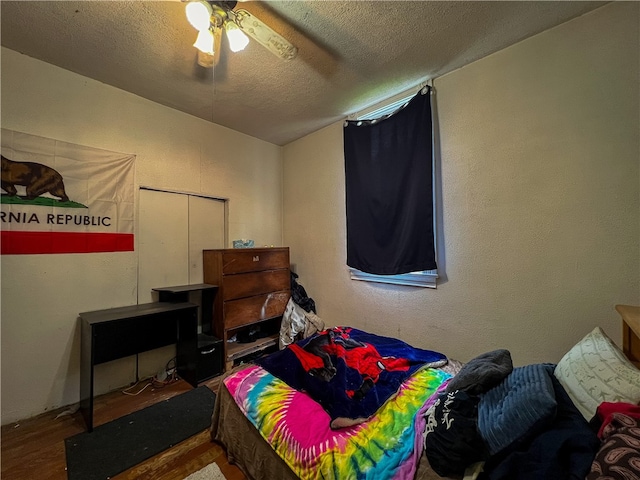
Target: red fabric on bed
607,409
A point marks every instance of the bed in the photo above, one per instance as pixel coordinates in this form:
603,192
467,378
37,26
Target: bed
270,429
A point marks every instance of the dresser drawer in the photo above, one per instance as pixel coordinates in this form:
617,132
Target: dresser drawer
254,283
254,260
253,309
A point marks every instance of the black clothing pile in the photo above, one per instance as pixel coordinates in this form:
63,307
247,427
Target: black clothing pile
299,295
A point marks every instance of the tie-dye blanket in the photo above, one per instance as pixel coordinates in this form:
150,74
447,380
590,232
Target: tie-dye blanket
388,446
349,372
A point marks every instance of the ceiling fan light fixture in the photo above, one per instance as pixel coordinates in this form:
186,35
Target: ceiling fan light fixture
205,60
237,39
199,15
205,42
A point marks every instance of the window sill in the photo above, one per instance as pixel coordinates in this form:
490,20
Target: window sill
426,279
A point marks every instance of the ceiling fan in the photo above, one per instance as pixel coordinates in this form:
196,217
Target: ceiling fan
210,18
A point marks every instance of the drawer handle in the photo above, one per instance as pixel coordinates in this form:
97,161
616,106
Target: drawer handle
207,352
256,258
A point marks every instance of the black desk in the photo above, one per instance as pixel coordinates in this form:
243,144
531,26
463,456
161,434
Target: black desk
121,332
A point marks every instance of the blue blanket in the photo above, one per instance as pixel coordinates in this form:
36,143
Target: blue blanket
562,451
350,373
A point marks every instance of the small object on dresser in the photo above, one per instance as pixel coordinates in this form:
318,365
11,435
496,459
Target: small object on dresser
243,243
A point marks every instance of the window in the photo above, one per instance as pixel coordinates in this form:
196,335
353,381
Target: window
423,278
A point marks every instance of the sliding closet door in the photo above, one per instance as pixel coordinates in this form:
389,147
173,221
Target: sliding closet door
163,242
206,231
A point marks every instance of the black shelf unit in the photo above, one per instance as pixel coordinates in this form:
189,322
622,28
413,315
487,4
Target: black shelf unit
210,350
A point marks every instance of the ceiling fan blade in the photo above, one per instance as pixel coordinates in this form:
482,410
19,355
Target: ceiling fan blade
264,35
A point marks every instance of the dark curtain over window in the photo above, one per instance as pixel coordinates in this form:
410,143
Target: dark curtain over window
389,191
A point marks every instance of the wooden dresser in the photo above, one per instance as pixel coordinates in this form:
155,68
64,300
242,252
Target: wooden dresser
254,286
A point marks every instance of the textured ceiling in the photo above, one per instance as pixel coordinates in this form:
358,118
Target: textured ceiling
351,53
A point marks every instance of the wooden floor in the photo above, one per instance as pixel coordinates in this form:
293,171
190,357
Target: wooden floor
34,448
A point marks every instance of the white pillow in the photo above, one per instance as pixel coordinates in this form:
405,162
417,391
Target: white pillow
594,371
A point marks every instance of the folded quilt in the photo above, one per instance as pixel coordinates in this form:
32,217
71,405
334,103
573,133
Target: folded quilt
350,373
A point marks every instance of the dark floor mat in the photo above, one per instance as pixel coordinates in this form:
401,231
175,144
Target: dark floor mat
125,442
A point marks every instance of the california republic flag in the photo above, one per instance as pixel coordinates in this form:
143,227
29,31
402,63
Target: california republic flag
58,197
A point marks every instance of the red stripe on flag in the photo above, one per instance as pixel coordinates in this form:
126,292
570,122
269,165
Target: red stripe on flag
30,243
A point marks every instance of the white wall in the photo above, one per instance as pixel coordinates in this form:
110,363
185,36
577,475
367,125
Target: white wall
540,157
43,294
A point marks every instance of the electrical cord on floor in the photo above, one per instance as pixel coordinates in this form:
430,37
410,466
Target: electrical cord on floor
170,376
127,392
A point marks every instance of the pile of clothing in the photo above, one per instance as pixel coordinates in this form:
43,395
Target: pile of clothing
299,319
519,423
